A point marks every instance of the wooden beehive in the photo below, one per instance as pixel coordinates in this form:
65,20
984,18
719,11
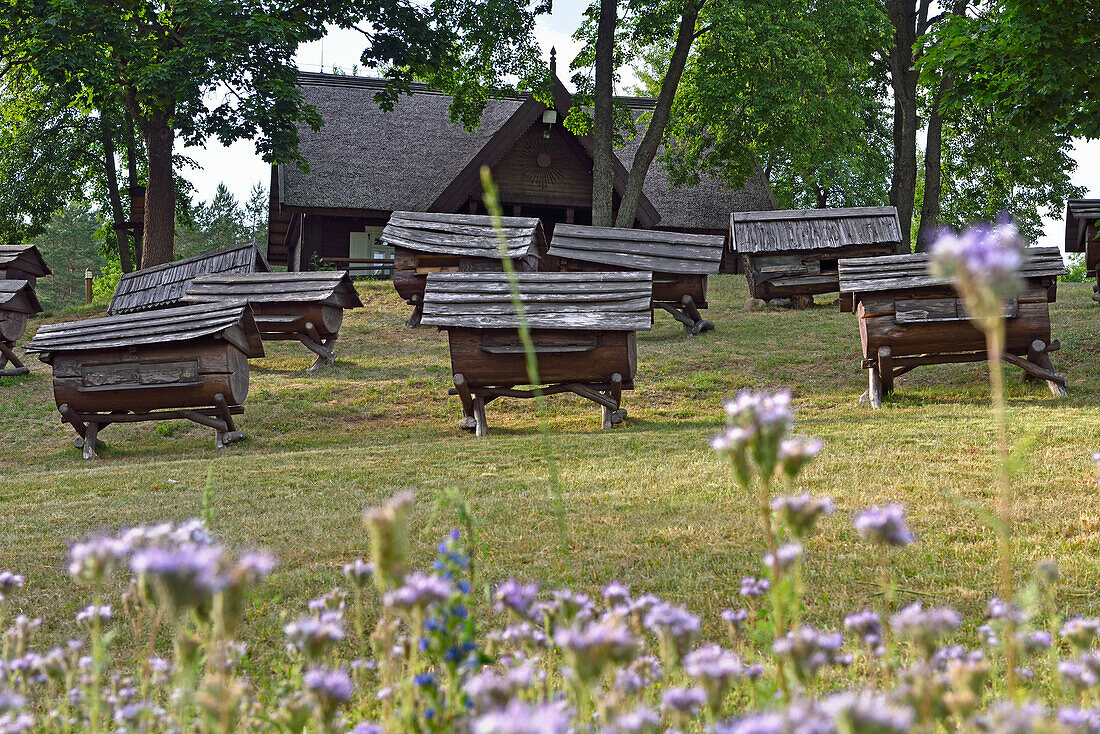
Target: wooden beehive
680,263
795,253
307,307
582,325
17,302
426,243
22,262
166,285
1083,235
909,317
187,362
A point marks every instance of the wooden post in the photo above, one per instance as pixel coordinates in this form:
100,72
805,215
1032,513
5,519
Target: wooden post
1058,389
874,388
468,422
90,433
88,287
481,428
886,369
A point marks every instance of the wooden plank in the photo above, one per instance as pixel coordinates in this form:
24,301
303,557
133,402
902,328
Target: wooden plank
798,214
597,321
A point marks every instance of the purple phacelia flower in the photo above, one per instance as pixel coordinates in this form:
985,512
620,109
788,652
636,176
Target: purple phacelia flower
522,718
674,625
330,686
641,720
809,650
183,577
419,591
868,626
884,525
796,452
9,582
1004,611
516,597
984,261
753,587
788,555
925,627
801,512
89,616
359,572
89,562
616,594
735,618
1080,632
867,711
590,648
684,701
313,635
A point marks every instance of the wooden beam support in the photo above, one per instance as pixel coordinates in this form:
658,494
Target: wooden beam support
886,369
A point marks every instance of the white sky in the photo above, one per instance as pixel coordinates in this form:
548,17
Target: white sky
239,167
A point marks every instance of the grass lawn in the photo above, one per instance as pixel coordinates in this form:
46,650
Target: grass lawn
648,503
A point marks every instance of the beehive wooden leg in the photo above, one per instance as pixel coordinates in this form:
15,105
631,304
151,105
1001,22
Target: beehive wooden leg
7,354
313,342
700,324
481,427
418,312
468,423
886,370
90,433
617,415
1058,389
231,433
874,388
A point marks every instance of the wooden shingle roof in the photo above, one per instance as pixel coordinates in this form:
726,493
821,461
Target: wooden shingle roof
464,235
639,249
814,229
905,272
18,296
232,322
166,285
25,258
1080,214
331,288
596,301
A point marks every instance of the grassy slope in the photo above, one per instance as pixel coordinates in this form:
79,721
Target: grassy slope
648,503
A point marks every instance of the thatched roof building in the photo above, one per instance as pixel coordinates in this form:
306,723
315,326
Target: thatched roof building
366,163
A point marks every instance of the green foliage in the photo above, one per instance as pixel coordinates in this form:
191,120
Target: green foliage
1075,269
105,284
70,243
789,87
47,152
256,210
1034,59
213,226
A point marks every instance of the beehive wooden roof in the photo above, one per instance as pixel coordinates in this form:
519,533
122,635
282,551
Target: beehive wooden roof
907,272
464,235
596,301
232,322
18,296
814,229
1080,213
332,288
25,258
639,249
166,285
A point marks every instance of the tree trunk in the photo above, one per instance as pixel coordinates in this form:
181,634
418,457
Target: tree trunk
655,131
903,80
603,128
933,159
160,197
132,180
107,140
933,178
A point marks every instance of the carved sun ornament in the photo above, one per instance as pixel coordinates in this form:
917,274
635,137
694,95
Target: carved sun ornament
542,162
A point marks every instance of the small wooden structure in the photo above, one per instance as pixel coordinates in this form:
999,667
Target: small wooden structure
909,318
307,307
582,325
188,362
166,285
1083,235
680,263
427,243
22,262
794,253
17,302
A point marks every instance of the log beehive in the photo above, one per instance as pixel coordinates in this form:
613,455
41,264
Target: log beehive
680,263
909,317
582,325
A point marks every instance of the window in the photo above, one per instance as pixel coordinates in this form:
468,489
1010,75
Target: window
367,245
830,266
